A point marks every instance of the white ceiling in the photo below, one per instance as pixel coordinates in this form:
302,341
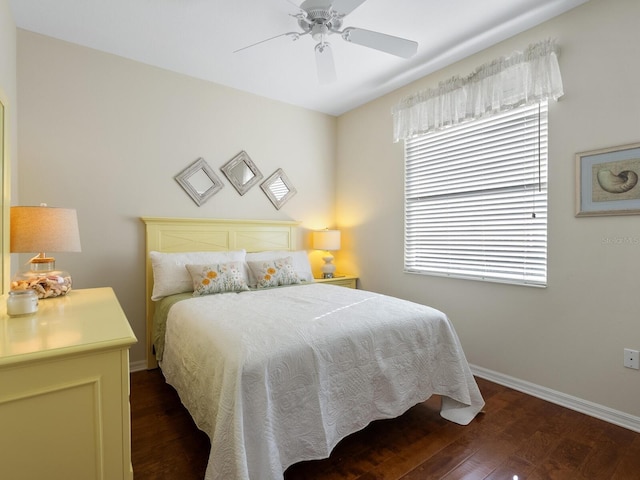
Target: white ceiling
198,37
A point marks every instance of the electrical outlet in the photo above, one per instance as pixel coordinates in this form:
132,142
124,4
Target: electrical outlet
631,358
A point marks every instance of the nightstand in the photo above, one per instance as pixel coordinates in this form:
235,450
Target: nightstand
64,401
349,281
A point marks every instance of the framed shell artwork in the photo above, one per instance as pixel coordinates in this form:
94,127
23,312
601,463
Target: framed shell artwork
607,181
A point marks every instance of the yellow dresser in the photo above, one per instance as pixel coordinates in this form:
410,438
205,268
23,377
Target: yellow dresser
64,390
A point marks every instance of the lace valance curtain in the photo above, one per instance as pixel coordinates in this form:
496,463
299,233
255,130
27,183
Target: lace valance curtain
523,78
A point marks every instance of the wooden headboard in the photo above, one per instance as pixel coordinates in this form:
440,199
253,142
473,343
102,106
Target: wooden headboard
209,235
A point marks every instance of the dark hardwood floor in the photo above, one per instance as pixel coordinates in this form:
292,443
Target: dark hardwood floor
516,435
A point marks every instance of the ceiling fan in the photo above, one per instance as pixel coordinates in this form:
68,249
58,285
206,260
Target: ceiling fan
322,18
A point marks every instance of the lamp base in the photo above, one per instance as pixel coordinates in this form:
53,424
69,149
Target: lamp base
43,278
328,269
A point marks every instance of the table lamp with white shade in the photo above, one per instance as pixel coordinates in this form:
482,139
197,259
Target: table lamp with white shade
328,240
43,229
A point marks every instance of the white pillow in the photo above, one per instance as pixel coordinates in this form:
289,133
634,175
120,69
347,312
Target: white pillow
301,264
170,274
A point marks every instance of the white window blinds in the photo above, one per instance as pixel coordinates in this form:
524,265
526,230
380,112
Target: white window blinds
476,199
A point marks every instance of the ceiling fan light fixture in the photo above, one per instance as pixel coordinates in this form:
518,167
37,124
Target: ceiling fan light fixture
319,31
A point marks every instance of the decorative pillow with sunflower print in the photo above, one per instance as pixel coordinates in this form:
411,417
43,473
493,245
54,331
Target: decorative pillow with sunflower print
273,273
217,278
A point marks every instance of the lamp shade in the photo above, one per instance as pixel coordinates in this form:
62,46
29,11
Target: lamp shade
326,240
44,229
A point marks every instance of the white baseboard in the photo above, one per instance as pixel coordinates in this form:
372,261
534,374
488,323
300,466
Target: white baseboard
574,403
137,366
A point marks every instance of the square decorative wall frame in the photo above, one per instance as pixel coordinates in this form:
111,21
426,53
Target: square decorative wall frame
278,188
199,181
242,172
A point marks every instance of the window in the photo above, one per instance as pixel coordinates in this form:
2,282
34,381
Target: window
476,199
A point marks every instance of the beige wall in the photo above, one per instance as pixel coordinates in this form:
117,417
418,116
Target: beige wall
8,96
570,336
106,136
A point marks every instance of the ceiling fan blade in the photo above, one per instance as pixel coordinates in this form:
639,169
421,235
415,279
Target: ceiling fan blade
400,47
294,4
294,35
301,13
325,64
345,7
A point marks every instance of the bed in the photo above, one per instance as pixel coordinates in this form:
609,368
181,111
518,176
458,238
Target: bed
280,374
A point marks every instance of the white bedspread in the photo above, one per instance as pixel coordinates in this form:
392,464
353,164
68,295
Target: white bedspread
278,376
